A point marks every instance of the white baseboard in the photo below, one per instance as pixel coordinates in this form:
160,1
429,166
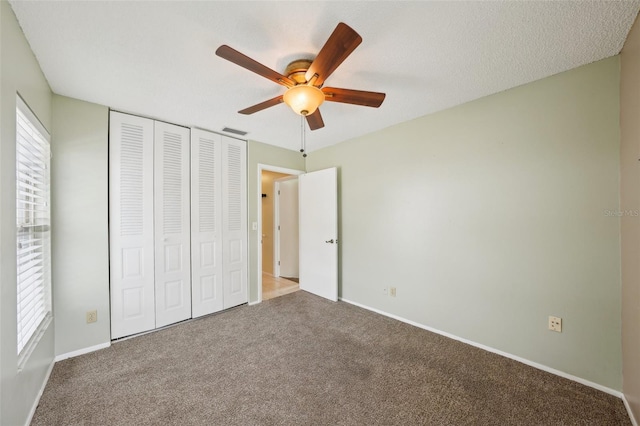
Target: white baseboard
628,407
82,351
495,351
32,412
254,303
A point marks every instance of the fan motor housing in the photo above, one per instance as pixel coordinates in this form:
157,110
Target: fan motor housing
297,69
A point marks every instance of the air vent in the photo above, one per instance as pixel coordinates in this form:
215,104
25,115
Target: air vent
234,131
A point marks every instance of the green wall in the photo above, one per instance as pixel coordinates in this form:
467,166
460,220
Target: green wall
491,216
80,248
630,223
19,73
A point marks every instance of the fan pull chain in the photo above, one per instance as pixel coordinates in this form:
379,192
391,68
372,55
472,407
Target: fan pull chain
303,137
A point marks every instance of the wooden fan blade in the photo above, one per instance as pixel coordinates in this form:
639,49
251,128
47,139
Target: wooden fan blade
244,61
315,120
262,105
355,97
340,44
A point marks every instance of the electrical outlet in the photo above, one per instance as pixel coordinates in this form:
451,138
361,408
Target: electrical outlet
555,324
92,316
392,292
385,290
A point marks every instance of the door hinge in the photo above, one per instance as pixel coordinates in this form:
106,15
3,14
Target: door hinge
278,192
278,263
278,227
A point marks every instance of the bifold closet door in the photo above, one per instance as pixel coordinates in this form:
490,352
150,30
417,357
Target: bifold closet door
206,222
172,230
218,222
178,223
131,224
234,221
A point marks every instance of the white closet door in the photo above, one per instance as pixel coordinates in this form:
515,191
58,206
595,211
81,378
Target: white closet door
131,224
172,215
206,222
234,221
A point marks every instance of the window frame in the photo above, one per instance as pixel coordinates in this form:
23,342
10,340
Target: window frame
33,228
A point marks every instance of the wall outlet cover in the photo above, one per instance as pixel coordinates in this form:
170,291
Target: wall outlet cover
555,324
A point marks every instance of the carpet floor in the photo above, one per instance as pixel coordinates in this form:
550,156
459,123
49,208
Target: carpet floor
301,360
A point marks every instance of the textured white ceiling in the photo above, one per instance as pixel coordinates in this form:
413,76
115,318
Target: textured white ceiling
157,58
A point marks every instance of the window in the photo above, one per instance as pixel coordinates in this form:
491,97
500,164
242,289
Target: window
33,228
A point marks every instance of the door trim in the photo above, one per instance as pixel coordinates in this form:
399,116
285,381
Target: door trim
258,236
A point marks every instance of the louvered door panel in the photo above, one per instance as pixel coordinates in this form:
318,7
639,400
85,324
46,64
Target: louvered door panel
172,215
234,221
131,224
206,222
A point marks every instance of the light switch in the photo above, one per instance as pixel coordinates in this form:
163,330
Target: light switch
254,226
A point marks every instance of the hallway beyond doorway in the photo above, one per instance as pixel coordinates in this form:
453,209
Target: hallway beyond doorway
276,286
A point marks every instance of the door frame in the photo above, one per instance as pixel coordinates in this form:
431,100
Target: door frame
276,221
269,168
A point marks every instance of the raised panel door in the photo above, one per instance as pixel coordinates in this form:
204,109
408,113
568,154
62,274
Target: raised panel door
206,222
131,224
234,221
172,215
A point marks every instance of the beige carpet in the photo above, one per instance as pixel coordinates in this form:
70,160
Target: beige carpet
301,360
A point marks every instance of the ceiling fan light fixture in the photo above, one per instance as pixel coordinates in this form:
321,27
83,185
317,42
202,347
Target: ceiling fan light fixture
303,99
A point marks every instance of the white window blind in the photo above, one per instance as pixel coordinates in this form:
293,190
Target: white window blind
33,225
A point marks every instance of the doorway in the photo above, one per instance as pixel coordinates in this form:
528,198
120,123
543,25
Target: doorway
275,218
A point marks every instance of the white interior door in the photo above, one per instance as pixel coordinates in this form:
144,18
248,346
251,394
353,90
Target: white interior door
172,235
206,222
287,228
318,198
234,221
131,224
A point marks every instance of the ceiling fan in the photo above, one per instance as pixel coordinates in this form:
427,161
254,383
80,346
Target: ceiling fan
304,78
